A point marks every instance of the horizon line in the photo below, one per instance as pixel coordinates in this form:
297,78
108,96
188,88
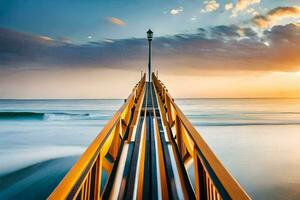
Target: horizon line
180,98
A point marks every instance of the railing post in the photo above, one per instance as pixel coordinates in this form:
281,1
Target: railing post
116,141
178,134
169,111
200,179
98,177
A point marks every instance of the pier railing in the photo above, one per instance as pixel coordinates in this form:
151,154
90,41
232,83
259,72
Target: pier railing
182,164
88,178
210,179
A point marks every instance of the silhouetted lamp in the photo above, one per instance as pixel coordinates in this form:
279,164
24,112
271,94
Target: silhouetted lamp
149,36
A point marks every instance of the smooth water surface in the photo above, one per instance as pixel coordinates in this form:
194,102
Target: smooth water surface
257,140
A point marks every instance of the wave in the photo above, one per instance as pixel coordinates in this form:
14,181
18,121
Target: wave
42,116
64,116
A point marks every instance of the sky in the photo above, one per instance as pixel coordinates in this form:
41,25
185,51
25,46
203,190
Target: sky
98,48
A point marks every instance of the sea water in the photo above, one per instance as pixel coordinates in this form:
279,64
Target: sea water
257,140
40,140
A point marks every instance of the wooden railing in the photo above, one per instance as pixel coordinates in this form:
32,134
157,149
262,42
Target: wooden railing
86,180
211,179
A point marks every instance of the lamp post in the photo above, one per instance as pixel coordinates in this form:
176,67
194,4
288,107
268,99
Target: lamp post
149,36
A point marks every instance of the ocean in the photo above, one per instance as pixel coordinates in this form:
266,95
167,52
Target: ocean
257,140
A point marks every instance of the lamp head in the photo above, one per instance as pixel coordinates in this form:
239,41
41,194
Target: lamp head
149,35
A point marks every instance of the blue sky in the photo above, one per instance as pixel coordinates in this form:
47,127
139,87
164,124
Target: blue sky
82,21
75,48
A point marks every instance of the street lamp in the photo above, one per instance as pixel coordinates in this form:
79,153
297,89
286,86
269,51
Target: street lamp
149,36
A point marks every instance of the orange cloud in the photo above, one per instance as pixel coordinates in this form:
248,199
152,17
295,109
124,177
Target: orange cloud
275,15
210,6
243,4
116,21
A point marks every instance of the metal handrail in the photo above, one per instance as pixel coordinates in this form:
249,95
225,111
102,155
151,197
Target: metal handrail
83,181
211,179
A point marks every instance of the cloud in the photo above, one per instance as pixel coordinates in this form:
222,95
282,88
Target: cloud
108,40
176,11
232,32
252,11
46,38
210,6
275,15
115,21
65,40
219,48
193,18
228,6
243,4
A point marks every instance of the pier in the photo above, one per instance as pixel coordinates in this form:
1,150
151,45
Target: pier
149,150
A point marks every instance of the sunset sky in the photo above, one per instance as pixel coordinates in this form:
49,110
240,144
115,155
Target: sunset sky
97,48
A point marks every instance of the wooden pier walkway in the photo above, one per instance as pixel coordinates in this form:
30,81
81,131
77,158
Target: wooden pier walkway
149,150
